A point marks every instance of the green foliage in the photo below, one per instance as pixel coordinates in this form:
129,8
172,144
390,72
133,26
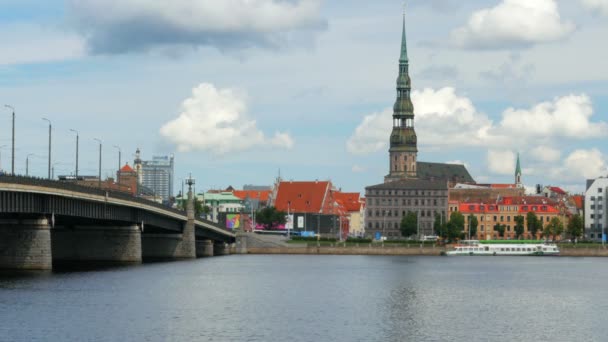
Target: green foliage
358,240
554,228
409,224
500,228
534,224
270,217
438,226
473,225
457,219
575,227
519,226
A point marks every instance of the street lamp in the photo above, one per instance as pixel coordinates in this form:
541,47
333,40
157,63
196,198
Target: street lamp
27,164
13,152
77,135
53,169
99,181
50,127
1,147
119,164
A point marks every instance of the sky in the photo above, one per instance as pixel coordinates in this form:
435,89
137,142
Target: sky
240,90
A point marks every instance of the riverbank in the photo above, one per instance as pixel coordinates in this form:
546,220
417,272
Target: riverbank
379,250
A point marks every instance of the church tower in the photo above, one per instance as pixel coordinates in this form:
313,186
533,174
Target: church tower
518,173
403,143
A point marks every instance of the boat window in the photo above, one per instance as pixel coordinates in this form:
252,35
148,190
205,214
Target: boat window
544,249
519,249
502,249
487,249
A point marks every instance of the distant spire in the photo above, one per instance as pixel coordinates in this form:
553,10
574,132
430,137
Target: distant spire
403,57
518,171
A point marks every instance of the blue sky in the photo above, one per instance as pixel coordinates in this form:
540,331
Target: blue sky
240,89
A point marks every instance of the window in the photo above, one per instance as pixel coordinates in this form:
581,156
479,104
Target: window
471,207
494,218
599,190
508,218
593,206
502,218
592,216
482,207
524,208
482,227
534,208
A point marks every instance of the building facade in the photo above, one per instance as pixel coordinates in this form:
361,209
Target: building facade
504,211
595,208
387,204
157,175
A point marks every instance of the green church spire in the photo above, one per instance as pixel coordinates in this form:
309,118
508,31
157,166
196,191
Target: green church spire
517,167
403,58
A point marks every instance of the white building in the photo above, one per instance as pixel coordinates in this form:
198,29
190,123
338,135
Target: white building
595,208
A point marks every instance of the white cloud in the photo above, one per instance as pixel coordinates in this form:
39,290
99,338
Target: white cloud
501,162
545,154
214,120
584,164
600,6
566,116
513,23
446,119
118,26
442,118
372,134
27,43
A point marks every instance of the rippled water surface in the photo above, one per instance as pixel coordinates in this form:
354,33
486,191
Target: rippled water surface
314,298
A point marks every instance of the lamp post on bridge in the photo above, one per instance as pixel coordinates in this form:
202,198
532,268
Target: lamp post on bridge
27,164
77,135
119,164
13,148
1,147
100,143
50,128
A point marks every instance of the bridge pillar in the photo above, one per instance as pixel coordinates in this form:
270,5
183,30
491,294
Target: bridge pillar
204,248
172,246
25,244
220,248
241,243
97,244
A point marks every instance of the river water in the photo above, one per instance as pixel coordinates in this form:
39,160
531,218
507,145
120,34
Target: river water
314,298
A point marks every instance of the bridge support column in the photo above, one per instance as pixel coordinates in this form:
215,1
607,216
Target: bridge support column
241,243
204,248
111,245
25,244
220,248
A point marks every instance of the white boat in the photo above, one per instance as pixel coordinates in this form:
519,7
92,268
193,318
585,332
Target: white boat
474,247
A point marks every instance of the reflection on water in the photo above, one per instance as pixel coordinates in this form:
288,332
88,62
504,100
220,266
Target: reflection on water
312,298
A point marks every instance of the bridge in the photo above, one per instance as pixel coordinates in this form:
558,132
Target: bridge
45,223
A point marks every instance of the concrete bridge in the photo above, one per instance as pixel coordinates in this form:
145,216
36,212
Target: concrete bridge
45,222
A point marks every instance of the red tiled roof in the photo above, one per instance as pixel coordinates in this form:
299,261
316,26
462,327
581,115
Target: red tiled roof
302,197
350,200
557,190
127,168
262,195
578,201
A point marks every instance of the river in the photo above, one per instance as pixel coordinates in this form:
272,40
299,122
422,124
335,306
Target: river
313,298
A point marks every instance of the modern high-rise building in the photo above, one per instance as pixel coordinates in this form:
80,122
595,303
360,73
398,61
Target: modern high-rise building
156,175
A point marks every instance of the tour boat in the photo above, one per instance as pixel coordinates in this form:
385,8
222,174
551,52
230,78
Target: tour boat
474,247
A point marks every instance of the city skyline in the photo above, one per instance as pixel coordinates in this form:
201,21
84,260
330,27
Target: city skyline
235,108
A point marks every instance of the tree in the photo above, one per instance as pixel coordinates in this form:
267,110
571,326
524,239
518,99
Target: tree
519,226
437,225
473,225
270,217
554,229
500,229
455,226
575,227
534,225
409,224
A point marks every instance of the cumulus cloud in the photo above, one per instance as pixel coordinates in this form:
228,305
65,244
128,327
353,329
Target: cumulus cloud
501,162
442,118
545,154
600,6
567,116
580,164
120,26
513,23
214,120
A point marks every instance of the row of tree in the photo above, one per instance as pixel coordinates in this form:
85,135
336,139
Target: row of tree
454,227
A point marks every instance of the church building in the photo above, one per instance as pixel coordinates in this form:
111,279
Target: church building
410,186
